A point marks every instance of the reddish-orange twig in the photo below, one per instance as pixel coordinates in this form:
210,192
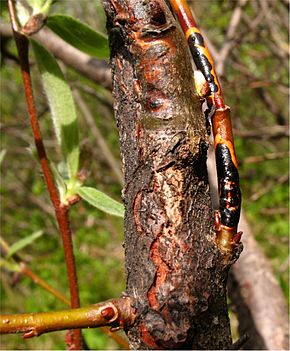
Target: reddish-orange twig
60,210
227,218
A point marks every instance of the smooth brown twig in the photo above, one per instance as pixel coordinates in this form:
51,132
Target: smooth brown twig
230,41
269,132
266,157
270,187
61,211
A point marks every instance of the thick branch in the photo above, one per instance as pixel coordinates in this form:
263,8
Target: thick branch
175,271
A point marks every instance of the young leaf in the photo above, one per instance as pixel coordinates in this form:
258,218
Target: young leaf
20,244
2,155
61,105
79,35
101,201
10,265
23,12
59,179
39,6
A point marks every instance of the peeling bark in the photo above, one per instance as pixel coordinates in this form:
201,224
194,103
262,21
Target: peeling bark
176,274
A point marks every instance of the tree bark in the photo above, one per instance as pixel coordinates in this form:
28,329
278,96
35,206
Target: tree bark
176,274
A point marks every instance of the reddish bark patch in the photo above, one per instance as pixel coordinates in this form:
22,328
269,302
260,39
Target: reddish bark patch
160,276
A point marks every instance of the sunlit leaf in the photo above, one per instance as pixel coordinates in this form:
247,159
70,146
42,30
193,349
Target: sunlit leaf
20,244
61,105
23,12
101,201
60,182
39,6
10,265
79,35
2,155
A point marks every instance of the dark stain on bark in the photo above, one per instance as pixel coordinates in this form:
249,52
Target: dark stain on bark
174,269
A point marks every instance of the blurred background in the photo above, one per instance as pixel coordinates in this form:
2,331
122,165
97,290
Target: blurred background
249,43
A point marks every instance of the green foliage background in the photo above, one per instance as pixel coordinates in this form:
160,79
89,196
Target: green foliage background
25,208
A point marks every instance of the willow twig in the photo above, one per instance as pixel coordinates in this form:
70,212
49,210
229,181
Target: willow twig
269,132
61,211
115,312
266,157
25,270
264,190
230,41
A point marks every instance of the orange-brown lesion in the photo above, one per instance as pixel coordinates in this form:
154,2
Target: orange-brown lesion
160,275
222,130
136,212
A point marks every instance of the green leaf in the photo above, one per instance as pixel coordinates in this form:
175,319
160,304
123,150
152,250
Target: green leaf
60,182
62,106
23,12
10,265
25,9
101,201
2,155
20,244
79,35
39,6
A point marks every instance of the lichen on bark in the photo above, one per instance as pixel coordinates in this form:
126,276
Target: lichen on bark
175,273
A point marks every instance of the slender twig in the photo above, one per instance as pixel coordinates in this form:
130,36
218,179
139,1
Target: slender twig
116,313
94,69
267,99
266,157
282,47
230,41
25,270
270,187
29,273
109,157
105,99
271,132
61,211
37,280
275,211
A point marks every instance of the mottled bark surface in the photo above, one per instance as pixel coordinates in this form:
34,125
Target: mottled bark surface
175,272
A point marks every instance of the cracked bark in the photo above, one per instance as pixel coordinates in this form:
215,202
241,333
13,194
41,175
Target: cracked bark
176,275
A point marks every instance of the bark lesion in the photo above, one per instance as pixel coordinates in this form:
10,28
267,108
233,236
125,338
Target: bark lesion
174,273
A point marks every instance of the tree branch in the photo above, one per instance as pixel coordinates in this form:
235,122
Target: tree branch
116,313
230,36
61,211
271,132
175,270
96,70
